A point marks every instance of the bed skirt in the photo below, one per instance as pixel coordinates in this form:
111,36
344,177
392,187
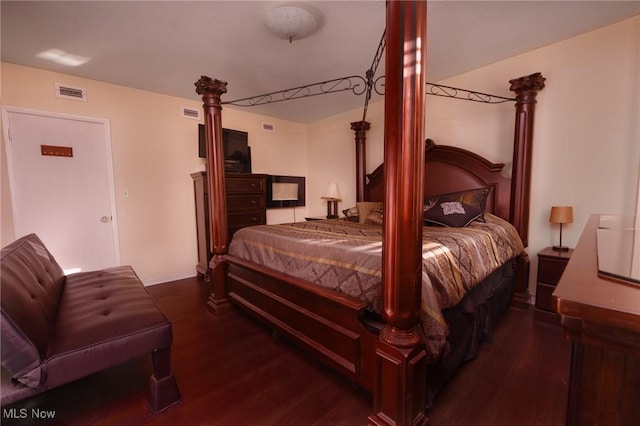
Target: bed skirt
470,323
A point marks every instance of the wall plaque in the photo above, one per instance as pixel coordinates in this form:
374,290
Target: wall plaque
56,151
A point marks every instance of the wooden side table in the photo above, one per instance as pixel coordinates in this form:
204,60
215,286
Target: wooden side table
551,265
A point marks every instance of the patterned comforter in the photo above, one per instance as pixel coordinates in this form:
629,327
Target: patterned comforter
346,256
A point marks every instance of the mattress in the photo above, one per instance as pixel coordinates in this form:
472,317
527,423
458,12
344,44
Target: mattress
346,257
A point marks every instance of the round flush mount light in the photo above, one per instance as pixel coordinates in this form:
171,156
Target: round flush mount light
291,22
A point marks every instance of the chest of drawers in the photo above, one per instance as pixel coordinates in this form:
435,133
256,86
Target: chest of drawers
246,206
246,200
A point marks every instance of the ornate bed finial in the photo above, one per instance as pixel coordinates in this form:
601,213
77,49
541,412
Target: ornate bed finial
429,144
528,83
360,126
207,85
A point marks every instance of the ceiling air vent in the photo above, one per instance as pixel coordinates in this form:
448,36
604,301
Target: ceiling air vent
71,92
191,113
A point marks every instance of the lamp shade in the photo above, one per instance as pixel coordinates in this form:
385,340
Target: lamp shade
561,214
332,192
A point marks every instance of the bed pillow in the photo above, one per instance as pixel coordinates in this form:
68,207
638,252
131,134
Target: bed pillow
351,214
366,207
452,214
472,197
376,217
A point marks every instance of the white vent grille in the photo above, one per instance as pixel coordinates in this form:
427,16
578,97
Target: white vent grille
194,114
71,92
268,127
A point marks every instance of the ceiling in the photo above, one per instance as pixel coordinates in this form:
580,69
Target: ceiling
165,46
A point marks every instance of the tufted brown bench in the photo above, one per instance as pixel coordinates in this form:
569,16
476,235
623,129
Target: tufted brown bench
57,328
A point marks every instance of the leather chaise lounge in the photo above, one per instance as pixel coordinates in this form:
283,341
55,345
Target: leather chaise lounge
57,328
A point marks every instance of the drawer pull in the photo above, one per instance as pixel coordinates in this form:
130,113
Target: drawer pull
255,219
254,202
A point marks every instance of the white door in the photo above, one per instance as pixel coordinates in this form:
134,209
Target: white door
61,180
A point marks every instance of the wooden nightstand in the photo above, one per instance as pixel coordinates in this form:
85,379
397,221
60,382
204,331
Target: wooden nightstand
551,264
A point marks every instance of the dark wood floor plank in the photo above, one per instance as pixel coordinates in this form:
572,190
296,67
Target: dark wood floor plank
231,372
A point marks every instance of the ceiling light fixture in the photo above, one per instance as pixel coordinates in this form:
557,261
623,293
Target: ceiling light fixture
61,57
291,22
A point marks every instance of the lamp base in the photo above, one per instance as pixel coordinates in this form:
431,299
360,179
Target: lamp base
560,248
332,209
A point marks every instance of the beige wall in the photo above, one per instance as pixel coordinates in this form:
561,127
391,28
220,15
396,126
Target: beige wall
586,153
154,153
587,138
332,158
586,135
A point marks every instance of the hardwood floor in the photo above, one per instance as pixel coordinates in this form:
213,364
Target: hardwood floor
231,372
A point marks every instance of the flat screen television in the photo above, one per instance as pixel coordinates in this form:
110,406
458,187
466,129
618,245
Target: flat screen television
236,149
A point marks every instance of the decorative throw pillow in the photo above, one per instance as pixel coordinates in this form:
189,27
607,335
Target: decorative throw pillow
376,217
472,197
351,214
452,214
366,207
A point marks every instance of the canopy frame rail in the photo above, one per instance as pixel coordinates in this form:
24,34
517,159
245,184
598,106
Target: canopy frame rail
353,83
371,72
464,94
358,86
452,92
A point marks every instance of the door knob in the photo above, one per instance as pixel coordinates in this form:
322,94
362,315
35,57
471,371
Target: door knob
104,219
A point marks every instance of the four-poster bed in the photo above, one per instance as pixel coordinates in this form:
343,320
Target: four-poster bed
384,353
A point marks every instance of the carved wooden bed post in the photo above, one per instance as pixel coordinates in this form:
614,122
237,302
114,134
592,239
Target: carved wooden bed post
526,89
211,90
360,128
400,358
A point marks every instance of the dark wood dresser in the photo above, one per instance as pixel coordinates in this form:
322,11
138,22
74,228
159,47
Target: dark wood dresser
601,317
246,200
551,265
246,206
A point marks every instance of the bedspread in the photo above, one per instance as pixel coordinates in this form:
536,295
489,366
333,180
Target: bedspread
346,256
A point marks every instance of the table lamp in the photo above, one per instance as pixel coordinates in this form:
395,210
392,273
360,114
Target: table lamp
332,196
561,215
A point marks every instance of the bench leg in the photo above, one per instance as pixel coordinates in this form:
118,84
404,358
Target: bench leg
163,389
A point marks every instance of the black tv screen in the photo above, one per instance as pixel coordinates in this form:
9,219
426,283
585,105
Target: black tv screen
236,149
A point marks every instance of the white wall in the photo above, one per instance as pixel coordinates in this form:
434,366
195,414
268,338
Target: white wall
154,152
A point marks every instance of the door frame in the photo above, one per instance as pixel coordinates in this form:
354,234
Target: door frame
6,110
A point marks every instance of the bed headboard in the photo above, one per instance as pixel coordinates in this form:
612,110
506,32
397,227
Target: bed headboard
450,169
